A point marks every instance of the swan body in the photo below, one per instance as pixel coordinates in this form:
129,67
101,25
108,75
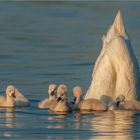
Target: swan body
116,69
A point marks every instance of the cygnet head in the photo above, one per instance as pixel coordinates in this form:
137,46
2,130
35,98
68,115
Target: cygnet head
52,89
77,91
10,91
120,98
62,92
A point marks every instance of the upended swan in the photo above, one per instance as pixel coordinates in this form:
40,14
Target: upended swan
116,69
13,98
61,104
121,103
87,104
52,97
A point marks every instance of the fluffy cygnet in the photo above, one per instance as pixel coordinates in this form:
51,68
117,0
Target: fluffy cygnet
61,104
20,99
121,103
9,100
52,97
87,104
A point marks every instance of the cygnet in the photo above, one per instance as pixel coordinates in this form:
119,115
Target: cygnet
52,97
61,104
86,104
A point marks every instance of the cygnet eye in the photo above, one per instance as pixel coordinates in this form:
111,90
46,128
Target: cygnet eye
10,90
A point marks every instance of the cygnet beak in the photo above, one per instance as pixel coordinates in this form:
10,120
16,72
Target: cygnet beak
74,99
52,93
13,95
117,103
59,98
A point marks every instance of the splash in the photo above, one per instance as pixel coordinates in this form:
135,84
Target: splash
116,70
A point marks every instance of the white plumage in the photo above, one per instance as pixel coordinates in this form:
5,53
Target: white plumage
116,70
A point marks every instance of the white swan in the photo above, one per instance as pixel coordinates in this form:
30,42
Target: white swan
52,97
121,103
9,100
61,104
20,99
116,69
88,104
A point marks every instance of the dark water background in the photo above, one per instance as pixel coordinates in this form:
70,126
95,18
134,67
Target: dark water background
45,42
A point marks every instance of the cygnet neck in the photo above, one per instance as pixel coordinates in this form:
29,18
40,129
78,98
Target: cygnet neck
10,101
52,97
78,99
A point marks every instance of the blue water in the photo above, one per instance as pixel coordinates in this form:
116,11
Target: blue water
59,42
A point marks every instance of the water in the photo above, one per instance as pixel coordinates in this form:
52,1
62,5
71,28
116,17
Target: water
45,42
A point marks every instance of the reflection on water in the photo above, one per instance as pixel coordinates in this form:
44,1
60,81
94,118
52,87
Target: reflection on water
100,125
108,125
80,125
47,42
9,117
7,121
114,125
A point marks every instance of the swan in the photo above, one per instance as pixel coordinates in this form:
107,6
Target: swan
87,104
9,100
121,103
116,69
20,99
52,97
61,104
